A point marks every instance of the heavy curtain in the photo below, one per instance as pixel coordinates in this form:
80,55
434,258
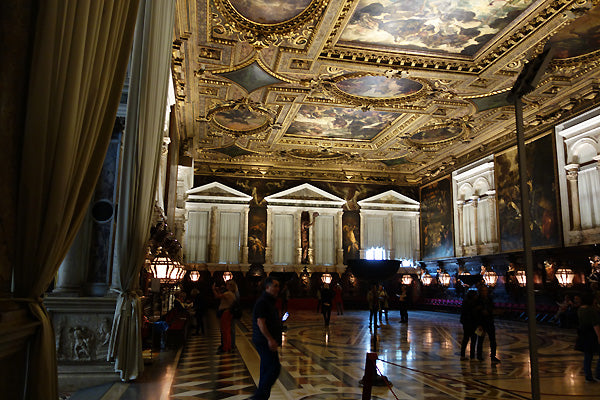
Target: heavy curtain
196,236
78,65
324,240
283,239
402,238
229,237
589,198
144,129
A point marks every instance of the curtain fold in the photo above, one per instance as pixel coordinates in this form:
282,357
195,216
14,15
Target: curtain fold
589,198
402,239
150,74
324,240
229,237
77,70
196,236
283,239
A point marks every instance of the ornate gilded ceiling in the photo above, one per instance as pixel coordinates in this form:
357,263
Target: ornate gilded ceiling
371,91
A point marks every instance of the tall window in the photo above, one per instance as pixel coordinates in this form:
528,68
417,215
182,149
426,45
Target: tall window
229,238
283,239
324,240
196,236
402,238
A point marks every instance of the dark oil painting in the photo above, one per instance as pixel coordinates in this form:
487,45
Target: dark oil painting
580,37
351,235
436,220
257,234
545,229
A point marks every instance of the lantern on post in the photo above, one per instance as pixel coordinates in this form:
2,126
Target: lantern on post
521,278
326,278
490,278
444,279
406,279
565,277
194,275
163,268
426,279
227,276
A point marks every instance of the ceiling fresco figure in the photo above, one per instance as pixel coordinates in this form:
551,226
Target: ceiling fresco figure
458,26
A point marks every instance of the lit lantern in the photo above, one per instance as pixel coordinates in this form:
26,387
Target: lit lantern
163,268
305,277
227,276
406,279
565,276
326,278
521,278
177,273
426,279
444,279
490,278
194,275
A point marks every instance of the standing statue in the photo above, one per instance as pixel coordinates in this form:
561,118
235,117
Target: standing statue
304,238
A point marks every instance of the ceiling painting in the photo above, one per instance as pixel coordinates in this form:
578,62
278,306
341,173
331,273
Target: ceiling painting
579,38
442,26
384,92
269,11
340,122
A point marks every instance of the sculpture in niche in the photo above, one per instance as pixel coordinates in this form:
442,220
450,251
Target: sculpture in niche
304,234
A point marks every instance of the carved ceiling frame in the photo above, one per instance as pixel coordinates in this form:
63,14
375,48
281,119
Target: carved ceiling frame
232,105
264,35
440,144
330,86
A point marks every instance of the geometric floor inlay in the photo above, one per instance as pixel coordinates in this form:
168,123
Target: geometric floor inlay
420,359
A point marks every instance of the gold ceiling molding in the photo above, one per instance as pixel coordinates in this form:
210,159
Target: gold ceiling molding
240,118
264,34
254,59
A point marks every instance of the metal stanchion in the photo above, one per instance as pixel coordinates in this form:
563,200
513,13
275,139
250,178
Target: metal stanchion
367,380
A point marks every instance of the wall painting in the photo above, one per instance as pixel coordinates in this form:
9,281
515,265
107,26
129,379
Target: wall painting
436,220
543,196
257,234
351,235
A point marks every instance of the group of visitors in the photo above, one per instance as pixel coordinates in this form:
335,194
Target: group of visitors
477,319
379,304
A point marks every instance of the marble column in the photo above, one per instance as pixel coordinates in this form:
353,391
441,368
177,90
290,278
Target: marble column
573,187
245,236
389,238
491,195
475,200
269,233
298,235
71,273
311,238
213,254
461,242
339,238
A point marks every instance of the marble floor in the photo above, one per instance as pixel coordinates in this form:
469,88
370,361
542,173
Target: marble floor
420,360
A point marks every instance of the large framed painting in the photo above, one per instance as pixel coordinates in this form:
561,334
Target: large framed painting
436,220
541,171
351,235
257,234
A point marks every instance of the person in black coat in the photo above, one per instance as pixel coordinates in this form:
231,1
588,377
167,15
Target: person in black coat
469,323
326,302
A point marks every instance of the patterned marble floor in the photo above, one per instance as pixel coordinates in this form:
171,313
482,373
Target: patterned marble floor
420,359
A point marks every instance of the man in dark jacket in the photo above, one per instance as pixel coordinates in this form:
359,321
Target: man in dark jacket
266,336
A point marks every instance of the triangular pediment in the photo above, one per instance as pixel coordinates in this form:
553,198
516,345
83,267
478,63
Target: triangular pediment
389,200
217,192
305,194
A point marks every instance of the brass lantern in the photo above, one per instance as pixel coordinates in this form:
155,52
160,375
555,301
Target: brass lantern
565,276
194,275
406,279
426,279
521,278
163,267
227,276
490,278
444,279
326,278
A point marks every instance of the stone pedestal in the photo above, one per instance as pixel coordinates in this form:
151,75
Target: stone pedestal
82,327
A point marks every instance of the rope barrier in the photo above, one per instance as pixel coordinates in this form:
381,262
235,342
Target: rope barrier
387,382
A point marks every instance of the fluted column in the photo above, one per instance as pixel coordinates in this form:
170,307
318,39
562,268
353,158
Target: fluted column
573,187
461,241
213,254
